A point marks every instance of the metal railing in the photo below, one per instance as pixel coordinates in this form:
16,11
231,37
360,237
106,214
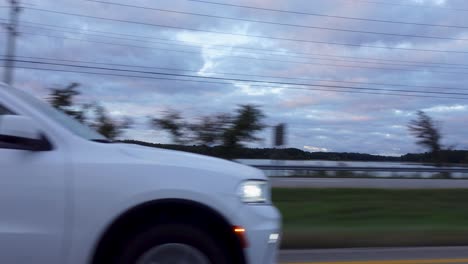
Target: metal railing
360,169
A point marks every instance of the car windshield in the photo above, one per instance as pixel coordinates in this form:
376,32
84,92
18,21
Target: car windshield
60,118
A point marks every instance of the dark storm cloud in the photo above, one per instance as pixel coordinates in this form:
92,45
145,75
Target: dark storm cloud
318,119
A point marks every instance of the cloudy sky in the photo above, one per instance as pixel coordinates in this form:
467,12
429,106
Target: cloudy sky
344,75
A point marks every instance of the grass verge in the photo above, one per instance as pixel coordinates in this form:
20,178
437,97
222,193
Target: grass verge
328,218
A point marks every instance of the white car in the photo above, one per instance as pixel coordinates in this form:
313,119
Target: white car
67,195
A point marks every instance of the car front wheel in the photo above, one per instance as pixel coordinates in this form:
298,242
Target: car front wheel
173,244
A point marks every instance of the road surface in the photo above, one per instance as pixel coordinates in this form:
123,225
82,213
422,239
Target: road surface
424,255
368,183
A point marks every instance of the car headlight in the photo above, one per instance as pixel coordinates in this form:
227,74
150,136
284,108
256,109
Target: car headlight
254,191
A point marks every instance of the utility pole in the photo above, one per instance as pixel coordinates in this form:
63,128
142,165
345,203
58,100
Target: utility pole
11,41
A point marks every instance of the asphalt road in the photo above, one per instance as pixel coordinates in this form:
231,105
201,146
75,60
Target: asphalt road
367,183
424,255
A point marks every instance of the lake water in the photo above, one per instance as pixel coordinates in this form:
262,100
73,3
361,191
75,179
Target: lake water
330,163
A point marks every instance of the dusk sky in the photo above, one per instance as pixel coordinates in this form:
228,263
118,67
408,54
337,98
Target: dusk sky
365,67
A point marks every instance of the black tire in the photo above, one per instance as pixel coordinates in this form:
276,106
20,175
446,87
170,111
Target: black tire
163,234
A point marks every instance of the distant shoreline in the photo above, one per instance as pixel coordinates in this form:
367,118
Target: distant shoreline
450,156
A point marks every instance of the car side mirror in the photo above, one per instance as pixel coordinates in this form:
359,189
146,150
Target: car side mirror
20,132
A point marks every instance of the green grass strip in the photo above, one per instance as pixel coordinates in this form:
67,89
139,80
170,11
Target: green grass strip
372,217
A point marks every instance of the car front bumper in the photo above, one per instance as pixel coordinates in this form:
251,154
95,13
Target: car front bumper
262,225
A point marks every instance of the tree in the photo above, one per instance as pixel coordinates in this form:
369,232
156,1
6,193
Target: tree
172,122
245,124
225,129
427,133
107,126
63,99
210,129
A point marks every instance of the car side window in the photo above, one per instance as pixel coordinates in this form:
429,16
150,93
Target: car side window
5,111
4,144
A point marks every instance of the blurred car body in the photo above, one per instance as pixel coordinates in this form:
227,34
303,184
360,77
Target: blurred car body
68,195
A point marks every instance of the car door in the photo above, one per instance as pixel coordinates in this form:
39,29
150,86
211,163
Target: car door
32,203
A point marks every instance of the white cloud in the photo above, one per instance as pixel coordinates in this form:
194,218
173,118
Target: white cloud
447,108
433,2
315,149
257,90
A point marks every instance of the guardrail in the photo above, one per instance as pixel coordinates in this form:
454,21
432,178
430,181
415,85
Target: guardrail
360,169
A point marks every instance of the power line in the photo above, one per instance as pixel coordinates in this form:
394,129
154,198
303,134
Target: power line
268,54
329,16
202,81
278,23
254,53
409,5
236,79
240,74
246,35
271,52
239,57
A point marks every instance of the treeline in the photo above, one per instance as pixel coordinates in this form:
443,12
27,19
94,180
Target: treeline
451,156
446,156
230,129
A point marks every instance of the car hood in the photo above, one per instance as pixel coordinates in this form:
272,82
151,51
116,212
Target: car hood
174,158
